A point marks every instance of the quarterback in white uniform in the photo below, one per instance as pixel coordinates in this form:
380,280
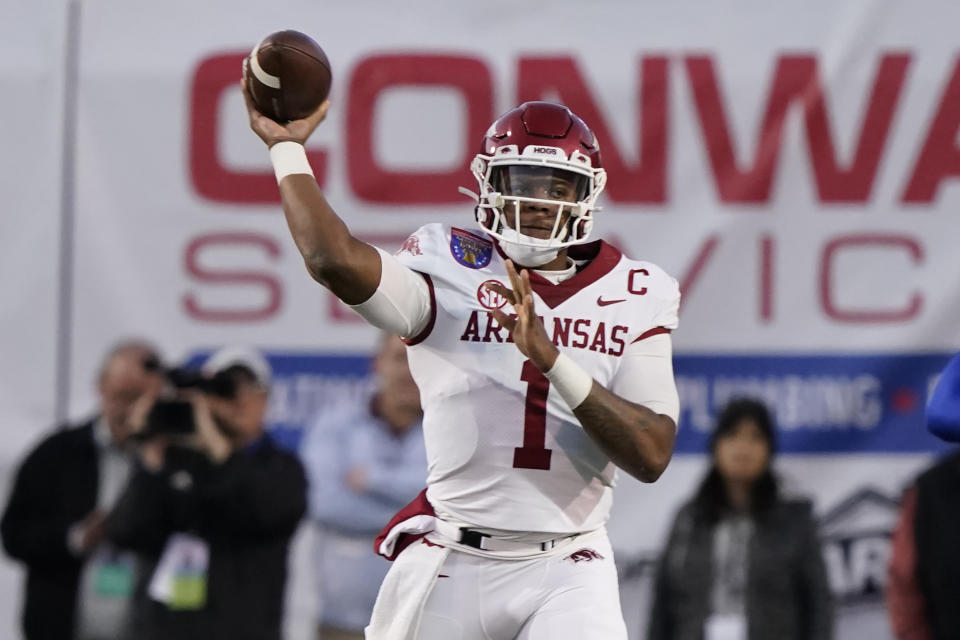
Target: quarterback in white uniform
543,360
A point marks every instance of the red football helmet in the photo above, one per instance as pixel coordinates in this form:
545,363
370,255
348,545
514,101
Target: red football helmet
546,142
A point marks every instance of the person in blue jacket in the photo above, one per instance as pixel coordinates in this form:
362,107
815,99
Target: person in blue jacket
943,410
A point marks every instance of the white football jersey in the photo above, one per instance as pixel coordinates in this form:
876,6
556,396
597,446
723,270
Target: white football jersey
505,451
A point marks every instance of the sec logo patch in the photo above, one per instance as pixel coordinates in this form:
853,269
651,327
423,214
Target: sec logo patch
490,299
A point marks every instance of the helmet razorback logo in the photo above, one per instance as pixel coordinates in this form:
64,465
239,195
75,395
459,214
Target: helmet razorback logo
585,555
469,249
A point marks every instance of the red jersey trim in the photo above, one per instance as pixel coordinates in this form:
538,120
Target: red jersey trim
651,332
602,256
423,335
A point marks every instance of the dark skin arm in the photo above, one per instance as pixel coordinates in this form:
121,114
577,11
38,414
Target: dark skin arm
335,258
635,438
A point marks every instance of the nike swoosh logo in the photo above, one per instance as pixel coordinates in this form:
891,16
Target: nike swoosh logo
602,303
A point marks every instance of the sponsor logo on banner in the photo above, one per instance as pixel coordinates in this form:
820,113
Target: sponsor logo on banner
869,403
856,536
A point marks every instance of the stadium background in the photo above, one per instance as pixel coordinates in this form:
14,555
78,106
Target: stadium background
794,164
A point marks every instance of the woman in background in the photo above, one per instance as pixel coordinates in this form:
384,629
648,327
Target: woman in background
742,562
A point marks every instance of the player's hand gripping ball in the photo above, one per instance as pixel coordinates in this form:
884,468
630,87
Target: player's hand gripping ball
288,76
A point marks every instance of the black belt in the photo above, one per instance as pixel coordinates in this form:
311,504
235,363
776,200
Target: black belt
484,542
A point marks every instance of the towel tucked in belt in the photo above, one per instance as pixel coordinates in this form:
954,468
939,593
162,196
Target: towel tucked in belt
396,615
414,521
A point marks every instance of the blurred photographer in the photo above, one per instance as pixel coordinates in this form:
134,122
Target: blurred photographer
211,508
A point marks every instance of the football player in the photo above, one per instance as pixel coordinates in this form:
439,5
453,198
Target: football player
544,362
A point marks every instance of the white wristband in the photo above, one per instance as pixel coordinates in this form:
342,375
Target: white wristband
570,380
289,157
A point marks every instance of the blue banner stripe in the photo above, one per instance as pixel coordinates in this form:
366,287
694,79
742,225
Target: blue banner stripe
822,404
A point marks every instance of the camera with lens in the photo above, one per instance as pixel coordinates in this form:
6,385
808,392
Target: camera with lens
171,414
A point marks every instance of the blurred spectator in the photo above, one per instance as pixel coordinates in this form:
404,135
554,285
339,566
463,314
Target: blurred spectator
742,562
924,582
213,520
924,579
365,461
54,519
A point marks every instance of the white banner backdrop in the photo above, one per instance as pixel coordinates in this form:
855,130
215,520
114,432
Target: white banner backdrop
32,52
792,163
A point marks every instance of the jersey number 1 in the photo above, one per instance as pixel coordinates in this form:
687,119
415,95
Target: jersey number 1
533,455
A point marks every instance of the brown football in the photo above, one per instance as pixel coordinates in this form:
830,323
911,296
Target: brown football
288,75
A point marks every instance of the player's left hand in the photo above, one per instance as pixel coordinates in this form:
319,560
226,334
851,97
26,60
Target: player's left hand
526,329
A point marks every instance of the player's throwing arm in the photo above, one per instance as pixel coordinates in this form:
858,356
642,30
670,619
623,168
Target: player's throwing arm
336,259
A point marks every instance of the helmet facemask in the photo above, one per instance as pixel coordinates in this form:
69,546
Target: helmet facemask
565,189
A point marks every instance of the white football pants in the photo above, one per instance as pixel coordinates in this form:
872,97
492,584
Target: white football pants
573,595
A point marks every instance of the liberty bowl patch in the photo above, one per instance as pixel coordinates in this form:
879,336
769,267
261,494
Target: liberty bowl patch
469,249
